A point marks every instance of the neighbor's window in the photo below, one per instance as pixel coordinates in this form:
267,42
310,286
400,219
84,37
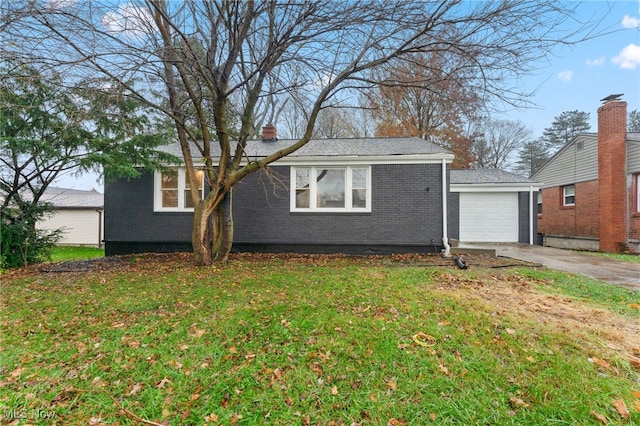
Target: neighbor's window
636,192
173,192
331,189
569,195
540,202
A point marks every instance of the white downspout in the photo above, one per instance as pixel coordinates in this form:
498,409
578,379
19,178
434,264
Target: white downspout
445,238
531,214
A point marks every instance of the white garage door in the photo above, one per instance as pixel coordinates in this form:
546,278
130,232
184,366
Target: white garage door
489,217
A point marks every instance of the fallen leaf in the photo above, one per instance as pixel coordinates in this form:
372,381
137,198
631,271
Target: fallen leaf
211,418
444,369
392,385
636,394
634,305
510,331
163,383
334,390
635,362
433,417
621,408
517,402
198,333
373,397
136,388
602,419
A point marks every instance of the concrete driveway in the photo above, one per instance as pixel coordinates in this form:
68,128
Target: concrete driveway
598,267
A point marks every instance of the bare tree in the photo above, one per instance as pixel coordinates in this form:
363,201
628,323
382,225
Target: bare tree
499,140
209,65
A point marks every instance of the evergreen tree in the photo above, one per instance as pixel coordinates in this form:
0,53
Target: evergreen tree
564,128
531,157
633,121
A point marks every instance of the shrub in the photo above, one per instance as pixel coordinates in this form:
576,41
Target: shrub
21,243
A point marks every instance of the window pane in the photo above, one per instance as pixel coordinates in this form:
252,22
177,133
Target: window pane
188,203
170,179
359,198
170,198
302,198
569,195
359,178
302,178
330,188
199,176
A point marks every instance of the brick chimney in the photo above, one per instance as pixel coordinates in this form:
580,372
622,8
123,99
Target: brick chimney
269,133
612,175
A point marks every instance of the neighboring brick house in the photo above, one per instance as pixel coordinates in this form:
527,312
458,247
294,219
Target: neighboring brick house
589,196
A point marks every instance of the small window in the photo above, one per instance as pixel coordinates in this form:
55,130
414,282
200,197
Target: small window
569,195
173,192
540,202
636,192
331,189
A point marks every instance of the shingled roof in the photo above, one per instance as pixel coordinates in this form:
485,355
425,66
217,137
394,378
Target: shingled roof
480,176
64,198
335,147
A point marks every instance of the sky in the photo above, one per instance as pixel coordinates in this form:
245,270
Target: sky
577,77
574,78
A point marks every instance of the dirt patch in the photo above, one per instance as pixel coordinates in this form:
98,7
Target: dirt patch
598,328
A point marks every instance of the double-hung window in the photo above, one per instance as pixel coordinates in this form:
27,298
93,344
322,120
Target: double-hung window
636,193
173,192
569,195
331,189
540,202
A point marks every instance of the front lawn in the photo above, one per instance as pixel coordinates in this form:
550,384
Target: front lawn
308,340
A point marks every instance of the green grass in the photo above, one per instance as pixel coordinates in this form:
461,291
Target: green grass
64,253
625,257
295,342
619,299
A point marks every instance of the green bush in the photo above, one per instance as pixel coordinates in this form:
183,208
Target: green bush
21,243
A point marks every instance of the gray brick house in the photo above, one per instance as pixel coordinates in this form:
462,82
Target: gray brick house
361,196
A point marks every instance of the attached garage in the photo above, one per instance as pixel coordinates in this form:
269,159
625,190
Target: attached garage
494,206
489,217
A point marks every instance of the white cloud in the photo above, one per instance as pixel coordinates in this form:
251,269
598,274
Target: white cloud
596,62
629,57
630,22
565,75
133,21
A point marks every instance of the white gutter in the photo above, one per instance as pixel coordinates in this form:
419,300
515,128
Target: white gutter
445,238
531,214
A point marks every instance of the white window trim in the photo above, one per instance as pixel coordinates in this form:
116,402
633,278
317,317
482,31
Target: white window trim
157,192
564,196
313,190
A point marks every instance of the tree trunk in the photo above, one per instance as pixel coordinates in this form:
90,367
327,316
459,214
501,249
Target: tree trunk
223,229
201,234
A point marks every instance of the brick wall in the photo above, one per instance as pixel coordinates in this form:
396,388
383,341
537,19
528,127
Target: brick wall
612,175
579,220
